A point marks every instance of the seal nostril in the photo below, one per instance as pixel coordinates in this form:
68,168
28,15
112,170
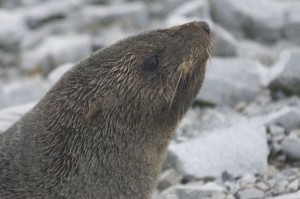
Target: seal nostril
204,26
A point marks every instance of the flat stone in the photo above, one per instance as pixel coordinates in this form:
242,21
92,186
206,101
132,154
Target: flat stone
250,194
288,196
209,154
262,186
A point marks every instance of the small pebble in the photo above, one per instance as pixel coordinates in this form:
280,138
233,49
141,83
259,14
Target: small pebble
247,180
262,186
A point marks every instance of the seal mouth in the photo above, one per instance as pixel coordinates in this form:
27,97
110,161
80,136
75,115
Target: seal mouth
190,71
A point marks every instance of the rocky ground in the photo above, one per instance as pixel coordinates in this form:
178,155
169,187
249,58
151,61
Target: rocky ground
240,140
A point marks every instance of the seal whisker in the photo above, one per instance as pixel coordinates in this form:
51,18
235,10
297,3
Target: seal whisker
175,90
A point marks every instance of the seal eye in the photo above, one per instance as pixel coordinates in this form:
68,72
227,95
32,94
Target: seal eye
151,64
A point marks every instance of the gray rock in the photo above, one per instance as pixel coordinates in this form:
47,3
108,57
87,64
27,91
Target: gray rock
224,43
292,25
131,15
48,11
56,50
163,8
198,9
252,17
256,51
189,11
12,30
276,130
250,194
288,196
289,78
231,80
291,147
210,154
17,3
293,186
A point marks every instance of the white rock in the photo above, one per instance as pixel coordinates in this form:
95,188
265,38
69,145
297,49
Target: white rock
210,186
22,91
262,186
56,50
240,149
10,115
250,194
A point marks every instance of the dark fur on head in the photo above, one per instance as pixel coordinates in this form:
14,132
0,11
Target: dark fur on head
103,129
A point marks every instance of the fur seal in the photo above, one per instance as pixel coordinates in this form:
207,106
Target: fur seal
103,129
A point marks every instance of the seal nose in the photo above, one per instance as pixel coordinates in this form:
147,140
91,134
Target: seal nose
204,26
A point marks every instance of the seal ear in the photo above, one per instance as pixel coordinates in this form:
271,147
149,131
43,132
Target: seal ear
101,104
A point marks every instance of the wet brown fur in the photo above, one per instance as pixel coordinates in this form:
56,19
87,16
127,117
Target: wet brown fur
103,129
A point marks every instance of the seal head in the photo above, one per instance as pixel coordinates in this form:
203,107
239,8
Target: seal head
102,131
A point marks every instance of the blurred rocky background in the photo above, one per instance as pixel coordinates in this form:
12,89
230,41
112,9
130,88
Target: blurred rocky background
240,140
